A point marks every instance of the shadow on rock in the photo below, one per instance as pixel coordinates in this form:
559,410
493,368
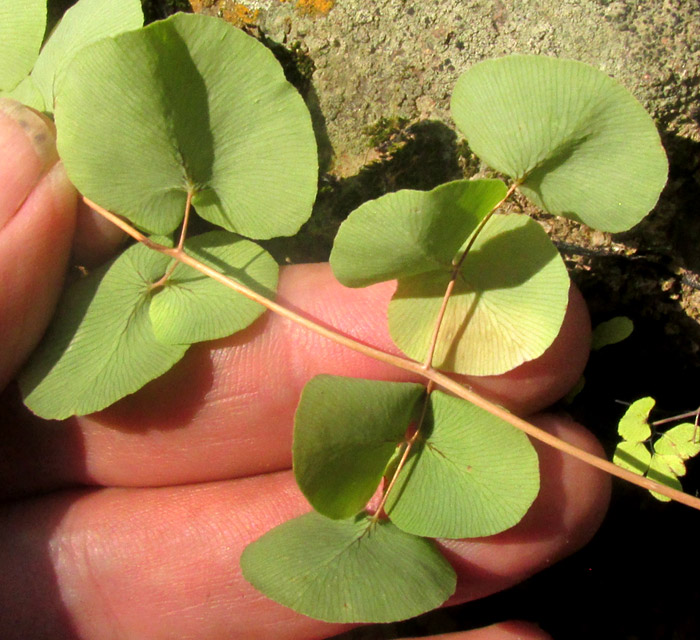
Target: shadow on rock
420,156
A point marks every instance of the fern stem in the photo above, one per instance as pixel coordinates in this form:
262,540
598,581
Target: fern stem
429,373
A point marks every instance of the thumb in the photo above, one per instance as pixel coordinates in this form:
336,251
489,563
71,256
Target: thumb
37,221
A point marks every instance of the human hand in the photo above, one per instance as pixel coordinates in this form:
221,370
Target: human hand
129,523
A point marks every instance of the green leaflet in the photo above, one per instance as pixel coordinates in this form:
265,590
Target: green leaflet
506,308
85,22
671,451
22,24
633,426
410,232
191,307
348,570
188,104
665,462
470,475
114,331
611,331
634,456
580,144
665,470
512,293
345,432
682,442
632,453
100,346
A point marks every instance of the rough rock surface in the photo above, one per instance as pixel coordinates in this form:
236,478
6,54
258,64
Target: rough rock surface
394,63
402,57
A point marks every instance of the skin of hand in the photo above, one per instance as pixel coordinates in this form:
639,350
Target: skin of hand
129,523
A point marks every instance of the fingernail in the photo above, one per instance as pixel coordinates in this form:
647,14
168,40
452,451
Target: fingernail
38,128
27,153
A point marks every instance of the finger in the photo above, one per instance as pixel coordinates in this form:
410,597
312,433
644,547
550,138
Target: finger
227,409
96,239
512,630
37,217
164,563
551,529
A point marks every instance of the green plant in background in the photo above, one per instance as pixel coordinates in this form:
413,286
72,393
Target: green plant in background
154,129
659,456
611,332
644,449
605,334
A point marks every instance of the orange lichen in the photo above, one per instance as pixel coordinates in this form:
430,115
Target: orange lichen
199,5
239,15
314,6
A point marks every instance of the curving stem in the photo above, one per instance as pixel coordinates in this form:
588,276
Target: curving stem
439,379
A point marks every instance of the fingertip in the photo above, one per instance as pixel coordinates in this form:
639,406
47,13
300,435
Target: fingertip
511,630
27,152
569,509
573,497
582,491
539,383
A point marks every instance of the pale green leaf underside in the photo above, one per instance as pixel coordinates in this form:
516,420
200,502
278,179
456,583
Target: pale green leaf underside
506,308
28,93
85,22
22,24
347,570
611,332
188,103
345,432
192,307
100,346
633,426
410,232
580,142
473,475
